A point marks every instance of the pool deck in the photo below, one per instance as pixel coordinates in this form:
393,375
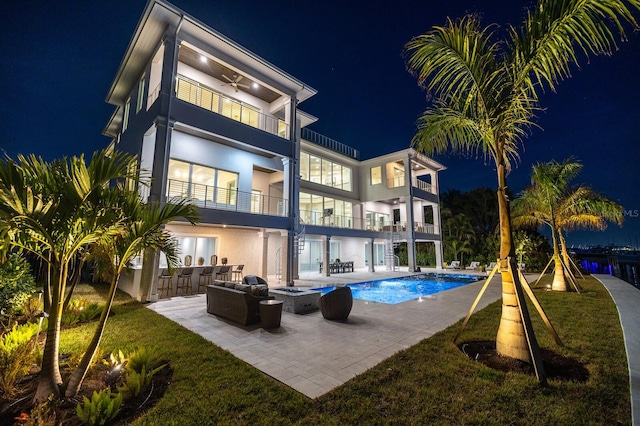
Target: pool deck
314,356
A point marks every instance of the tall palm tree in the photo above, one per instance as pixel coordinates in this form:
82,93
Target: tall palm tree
540,203
140,227
486,96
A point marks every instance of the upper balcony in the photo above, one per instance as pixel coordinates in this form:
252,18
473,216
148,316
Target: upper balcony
212,100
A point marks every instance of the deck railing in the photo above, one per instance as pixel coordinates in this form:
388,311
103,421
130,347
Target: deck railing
210,99
211,197
327,142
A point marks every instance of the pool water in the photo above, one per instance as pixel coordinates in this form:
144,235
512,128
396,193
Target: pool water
403,289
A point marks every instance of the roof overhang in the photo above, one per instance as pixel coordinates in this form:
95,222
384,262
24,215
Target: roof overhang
159,17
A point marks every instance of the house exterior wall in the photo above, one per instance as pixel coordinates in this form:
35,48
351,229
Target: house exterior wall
166,126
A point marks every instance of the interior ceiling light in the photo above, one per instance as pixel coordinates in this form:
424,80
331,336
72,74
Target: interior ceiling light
255,85
203,58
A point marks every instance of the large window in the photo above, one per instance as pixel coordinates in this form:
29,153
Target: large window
325,172
200,249
201,183
326,211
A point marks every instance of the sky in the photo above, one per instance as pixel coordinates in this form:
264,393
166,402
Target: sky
60,57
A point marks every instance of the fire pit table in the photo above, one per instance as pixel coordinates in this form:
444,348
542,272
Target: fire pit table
296,300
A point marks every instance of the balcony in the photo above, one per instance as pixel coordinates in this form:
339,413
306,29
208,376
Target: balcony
210,99
425,186
210,197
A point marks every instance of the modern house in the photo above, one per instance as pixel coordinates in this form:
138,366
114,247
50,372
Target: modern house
215,123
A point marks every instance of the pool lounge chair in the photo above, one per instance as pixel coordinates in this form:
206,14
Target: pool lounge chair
454,265
474,266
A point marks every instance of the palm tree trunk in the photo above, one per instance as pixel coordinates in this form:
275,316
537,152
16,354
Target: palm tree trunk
50,379
559,283
78,375
511,340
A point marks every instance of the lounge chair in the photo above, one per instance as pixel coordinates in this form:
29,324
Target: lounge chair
454,265
337,304
491,266
522,267
473,266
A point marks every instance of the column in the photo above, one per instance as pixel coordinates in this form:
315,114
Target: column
148,290
439,256
326,256
264,260
372,250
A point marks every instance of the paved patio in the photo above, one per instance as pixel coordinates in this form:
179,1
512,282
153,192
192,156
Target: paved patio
313,355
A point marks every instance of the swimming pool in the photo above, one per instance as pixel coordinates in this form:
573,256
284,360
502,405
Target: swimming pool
403,289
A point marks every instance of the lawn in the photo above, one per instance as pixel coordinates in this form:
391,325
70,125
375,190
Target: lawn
432,382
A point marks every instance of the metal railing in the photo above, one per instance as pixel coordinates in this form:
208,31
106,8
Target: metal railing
210,99
211,197
327,142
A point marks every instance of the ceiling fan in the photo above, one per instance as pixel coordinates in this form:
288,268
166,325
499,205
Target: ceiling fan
234,82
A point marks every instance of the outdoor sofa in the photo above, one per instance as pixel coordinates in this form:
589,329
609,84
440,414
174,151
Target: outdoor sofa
236,302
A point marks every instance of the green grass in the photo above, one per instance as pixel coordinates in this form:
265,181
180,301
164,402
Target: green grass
429,383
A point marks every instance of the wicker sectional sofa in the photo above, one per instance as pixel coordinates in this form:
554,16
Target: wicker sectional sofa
236,302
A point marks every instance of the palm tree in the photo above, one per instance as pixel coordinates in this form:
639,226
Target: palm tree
551,201
48,209
486,96
140,227
583,208
539,204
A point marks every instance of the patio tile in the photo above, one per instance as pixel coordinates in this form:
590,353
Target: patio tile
313,355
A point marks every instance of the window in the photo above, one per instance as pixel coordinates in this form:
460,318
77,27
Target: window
200,249
325,172
256,197
395,174
376,175
205,185
125,115
319,210
140,100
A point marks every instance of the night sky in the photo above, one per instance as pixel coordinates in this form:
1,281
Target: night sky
59,59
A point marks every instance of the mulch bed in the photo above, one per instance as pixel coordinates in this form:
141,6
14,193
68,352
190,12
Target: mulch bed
556,366
17,410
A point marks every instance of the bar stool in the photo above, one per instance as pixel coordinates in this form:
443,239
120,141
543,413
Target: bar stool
204,278
184,280
223,272
165,282
236,272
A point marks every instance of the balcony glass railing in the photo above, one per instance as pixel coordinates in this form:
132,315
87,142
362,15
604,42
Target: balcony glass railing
350,222
211,197
395,182
205,97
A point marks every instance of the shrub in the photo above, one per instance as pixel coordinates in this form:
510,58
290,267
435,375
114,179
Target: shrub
79,311
16,284
135,383
100,409
141,359
16,355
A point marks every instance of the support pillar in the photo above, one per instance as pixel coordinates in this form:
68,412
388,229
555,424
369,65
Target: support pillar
264,259
439,255
148,290
372,250
326,256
